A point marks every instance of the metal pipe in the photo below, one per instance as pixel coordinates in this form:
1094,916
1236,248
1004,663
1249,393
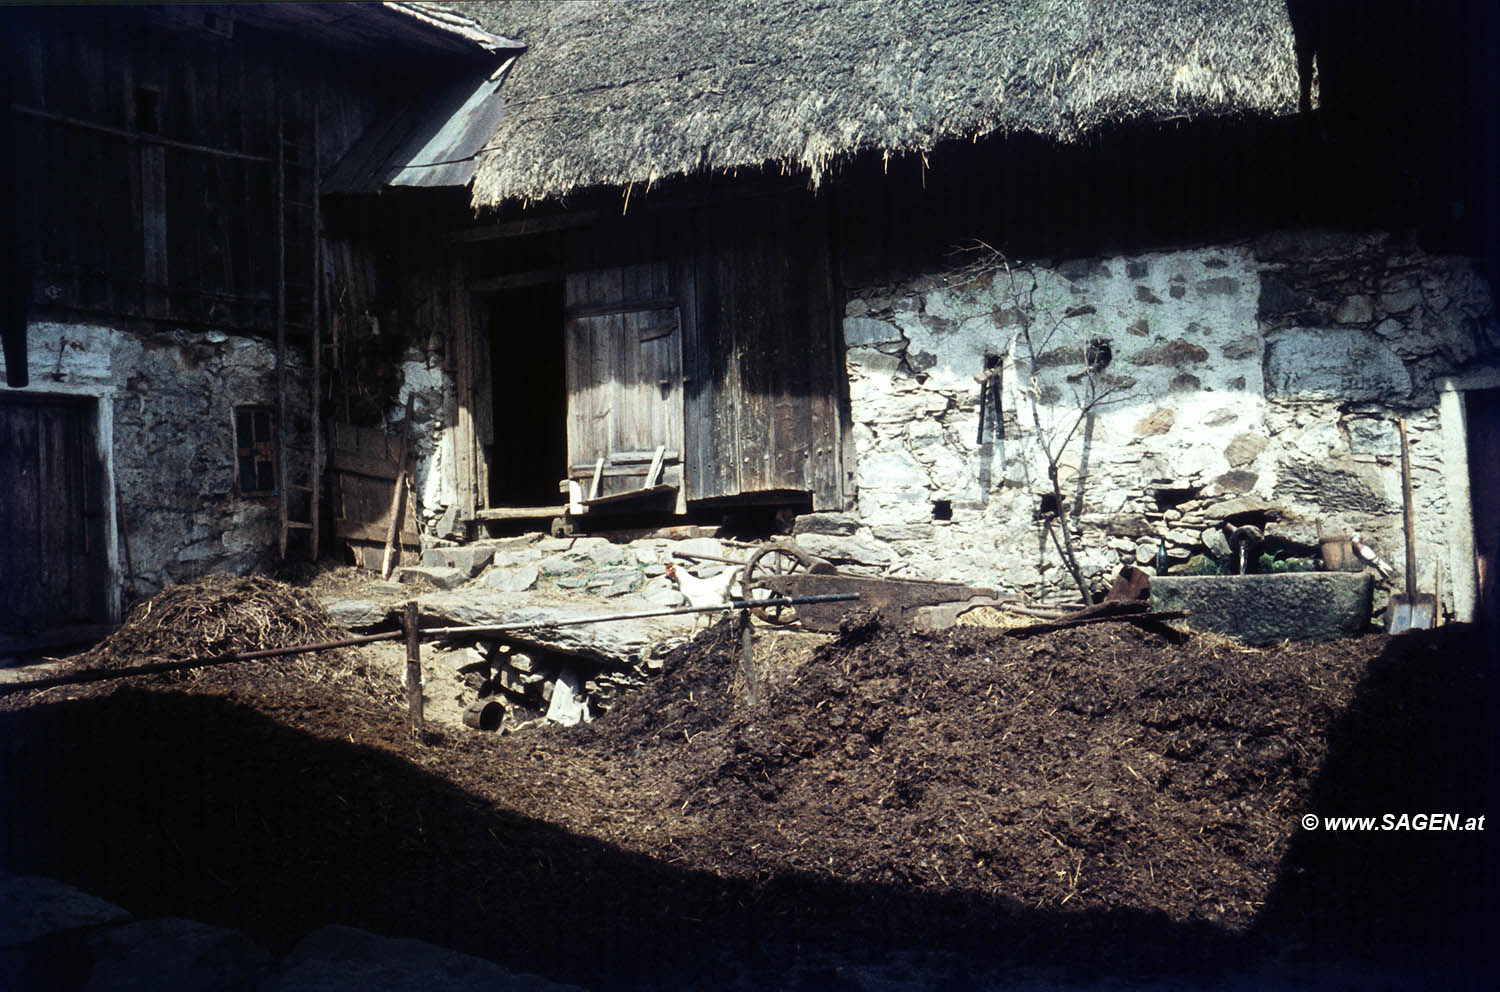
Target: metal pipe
484,714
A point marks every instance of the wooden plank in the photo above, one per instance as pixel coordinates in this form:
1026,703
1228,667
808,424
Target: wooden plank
462,348
631,496
516,280
354,530
152,140
594,485
520,512
398,498
653,474
384,469
22,602
619,458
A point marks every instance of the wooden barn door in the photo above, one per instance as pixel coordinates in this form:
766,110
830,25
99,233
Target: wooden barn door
54,567
623,339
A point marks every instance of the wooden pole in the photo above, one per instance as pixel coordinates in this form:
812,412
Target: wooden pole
747,659
398,501
281,434
1406,514
414,669
316,482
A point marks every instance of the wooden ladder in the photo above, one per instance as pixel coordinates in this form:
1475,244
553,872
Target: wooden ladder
298,309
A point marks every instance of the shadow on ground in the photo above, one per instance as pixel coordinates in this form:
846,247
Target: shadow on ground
196,806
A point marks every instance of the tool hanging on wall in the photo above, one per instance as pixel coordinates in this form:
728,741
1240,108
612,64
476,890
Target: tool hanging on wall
989,399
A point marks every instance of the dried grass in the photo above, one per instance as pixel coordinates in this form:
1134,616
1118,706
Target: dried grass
215,615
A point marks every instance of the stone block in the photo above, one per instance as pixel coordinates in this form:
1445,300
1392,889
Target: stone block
867,332
520,556
356,614
836,524
441,578
1245,448
1268,609
175,954
343,959
512,579
467,558
33,907
1341,365
559,565
1355,310
700,546
841,550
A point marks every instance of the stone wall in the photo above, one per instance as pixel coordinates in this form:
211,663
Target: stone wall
166,430
1256,381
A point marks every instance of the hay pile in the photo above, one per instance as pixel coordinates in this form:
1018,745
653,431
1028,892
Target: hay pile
214,615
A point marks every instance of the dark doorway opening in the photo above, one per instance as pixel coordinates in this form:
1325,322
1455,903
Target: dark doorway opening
1483,428
529,387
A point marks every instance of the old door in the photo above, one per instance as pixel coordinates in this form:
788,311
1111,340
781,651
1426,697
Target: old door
622,330
54,566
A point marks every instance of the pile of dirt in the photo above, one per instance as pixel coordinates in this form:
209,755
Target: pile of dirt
1102,794
215,615
1087,769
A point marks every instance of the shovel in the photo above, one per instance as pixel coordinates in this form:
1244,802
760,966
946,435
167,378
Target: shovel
1412,611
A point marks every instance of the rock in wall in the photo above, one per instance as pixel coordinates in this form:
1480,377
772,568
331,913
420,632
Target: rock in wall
1176,390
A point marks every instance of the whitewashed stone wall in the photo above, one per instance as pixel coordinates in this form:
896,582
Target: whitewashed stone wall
1248,380
166,435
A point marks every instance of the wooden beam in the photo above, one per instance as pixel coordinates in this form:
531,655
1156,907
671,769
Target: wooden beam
598,476
520,512
136,136
521,226
627,306
653,474
350,530
516,280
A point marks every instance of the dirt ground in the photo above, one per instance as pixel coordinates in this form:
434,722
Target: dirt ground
949,807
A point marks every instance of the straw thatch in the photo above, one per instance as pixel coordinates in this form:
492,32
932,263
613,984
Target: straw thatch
615,93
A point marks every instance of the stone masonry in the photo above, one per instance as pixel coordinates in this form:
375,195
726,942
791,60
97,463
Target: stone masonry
165,404
1253,382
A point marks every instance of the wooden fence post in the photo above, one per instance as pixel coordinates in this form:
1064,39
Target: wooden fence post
414,669
747,659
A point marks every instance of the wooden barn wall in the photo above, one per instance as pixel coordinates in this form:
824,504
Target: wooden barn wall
179,223
762,361
764,348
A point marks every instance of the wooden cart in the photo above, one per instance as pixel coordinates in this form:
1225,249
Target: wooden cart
784,569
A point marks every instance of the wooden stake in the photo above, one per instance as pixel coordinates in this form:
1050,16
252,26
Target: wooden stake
414,669
398,501
747,659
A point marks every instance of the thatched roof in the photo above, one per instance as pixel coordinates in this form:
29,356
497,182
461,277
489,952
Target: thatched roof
620,93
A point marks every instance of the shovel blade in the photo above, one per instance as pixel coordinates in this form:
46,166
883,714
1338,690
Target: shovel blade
1415,612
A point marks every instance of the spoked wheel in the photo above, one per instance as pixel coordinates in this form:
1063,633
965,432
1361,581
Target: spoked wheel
774,560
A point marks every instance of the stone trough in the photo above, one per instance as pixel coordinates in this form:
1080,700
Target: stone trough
1268,609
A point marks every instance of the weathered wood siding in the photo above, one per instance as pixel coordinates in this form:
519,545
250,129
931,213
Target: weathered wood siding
710,330
54,568
145,158
623,340
765,361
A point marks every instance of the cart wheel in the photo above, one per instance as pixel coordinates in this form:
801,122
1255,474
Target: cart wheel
782,558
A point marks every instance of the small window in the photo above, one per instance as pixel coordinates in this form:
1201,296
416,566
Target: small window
255,450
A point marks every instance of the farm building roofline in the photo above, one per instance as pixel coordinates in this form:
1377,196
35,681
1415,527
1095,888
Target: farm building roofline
613,94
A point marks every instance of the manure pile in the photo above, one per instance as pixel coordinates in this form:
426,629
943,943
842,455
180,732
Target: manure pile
220,614
1093,768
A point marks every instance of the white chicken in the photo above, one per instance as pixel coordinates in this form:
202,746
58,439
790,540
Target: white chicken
712,591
